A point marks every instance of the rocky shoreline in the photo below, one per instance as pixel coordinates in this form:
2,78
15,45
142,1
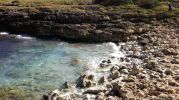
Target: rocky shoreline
148,71
78,23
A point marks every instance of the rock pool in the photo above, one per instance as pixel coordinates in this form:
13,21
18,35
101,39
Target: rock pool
43,65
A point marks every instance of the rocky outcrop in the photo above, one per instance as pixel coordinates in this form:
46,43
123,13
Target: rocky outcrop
86,24
148,71
79,26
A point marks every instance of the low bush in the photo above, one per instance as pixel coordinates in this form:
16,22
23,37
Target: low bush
148,3
112,2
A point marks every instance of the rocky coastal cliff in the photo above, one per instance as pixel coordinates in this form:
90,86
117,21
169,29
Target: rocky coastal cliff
85,23
150,38
148,71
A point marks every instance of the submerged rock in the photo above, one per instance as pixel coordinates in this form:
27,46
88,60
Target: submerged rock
105,64
17,93
66,85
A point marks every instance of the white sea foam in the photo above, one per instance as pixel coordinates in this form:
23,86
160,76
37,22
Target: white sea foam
117,54
22,37
4,33
56,58
15,36
116,51
113,46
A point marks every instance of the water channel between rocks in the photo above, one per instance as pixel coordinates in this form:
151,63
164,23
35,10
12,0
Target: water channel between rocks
43,65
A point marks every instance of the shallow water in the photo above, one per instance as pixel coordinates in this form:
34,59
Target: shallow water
41,65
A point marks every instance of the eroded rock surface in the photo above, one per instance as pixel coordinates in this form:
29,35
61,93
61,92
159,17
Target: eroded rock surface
149,69
83,23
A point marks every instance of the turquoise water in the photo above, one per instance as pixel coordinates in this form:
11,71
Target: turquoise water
41,65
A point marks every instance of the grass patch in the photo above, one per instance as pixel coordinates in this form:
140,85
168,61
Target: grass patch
164,8
46,2
84,6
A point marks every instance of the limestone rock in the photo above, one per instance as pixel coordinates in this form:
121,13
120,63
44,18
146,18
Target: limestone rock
102,80
115,74
113,98
90,77
105,64
169,72
122,92
170,51
66,85
53,95
124,71
130,79
165,97
95,90
130,31
86,97
175,61
152,65
144,41
81,81
176,78
114,68
139,30
85,81
135,71
100,96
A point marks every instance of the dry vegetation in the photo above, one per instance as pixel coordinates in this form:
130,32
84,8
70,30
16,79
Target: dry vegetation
73,6
46,2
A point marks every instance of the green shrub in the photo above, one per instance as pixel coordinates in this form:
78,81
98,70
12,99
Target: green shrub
112,2
98,1
148,3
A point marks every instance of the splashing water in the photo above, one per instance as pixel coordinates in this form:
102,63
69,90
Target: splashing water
40,65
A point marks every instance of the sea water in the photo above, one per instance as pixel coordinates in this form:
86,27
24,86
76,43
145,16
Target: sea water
42,65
